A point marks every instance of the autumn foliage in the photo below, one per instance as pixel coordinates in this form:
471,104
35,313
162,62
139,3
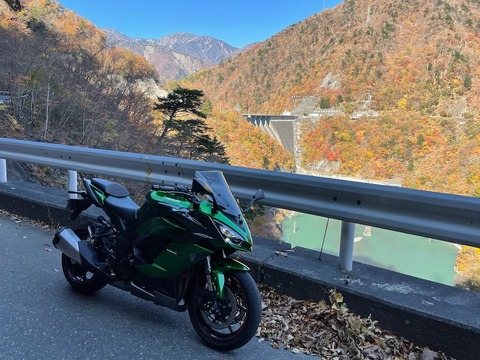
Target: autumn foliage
419,62
246,145
419,53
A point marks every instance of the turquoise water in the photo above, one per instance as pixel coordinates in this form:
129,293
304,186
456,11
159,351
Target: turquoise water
408,254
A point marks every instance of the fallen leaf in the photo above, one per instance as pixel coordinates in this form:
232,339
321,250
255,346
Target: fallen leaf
331,331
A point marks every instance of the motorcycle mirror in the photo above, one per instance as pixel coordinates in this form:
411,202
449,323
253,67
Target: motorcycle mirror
259,195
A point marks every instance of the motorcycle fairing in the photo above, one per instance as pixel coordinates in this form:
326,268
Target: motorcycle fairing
219,270
174,259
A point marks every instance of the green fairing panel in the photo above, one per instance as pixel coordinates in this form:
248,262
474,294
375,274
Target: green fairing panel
219,270
241,229
229,264
176,258
151,210
100,195
168,199
159,226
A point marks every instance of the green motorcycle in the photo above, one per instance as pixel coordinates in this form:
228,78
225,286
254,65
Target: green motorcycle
173,250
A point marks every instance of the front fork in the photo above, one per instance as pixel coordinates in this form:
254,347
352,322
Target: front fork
208,273
216,274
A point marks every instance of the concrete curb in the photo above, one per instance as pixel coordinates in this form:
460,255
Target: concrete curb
433,315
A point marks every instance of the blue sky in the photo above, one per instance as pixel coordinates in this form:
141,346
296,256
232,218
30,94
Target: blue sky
237,22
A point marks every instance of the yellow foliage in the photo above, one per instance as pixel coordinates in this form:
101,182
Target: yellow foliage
468,268
344,137
402,104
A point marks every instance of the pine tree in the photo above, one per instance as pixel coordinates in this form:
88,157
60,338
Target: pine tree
184,131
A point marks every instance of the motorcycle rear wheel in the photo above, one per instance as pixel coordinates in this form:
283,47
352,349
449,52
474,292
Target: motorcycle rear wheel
81,280
228,323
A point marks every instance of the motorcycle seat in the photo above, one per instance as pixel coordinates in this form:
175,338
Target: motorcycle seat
118,199
124,207
110,188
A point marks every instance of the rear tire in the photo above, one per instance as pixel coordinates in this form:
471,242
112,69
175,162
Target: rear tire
81,280
228,323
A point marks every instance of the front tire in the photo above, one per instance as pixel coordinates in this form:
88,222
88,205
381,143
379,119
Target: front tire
228,323
81,280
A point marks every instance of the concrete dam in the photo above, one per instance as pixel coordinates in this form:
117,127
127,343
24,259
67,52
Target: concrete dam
278,127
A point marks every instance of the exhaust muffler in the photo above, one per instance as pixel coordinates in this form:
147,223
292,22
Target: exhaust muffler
66,241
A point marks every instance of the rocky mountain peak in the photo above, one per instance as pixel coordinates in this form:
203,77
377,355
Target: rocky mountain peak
205,48
175,56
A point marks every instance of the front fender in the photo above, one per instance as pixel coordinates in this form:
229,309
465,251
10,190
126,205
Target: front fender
218,273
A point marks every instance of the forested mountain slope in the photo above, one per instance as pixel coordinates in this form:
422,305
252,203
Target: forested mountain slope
65,85
423,53
417,60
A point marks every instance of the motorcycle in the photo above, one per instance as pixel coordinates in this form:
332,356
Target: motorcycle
173,250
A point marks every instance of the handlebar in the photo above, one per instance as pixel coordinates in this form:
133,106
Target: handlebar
176,188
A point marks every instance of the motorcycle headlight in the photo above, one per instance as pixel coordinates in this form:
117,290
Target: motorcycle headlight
230,236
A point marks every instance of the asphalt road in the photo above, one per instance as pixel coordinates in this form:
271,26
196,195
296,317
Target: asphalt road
42,318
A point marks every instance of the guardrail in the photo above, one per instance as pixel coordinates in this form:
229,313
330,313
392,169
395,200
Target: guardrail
447,217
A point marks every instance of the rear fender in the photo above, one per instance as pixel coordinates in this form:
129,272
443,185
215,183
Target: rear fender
218,273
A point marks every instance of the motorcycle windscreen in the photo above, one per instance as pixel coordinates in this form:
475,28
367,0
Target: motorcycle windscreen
221,191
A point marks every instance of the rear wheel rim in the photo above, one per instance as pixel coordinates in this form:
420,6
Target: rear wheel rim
76,272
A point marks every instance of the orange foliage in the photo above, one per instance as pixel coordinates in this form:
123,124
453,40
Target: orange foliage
130,65
246,145
405,48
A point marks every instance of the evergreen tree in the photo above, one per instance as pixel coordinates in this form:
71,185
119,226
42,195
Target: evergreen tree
184,132
15,5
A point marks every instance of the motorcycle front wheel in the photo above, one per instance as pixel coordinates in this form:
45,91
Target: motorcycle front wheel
228,323
81,280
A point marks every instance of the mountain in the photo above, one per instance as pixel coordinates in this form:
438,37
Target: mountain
426,52
402,78
175,56
205,48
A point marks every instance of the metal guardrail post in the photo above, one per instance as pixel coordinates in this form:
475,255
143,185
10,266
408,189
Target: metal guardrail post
3,170
72,183
345,260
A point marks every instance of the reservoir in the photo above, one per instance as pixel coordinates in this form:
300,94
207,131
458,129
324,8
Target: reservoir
404,253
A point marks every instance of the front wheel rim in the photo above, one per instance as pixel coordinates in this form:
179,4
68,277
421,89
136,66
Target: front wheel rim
228,320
